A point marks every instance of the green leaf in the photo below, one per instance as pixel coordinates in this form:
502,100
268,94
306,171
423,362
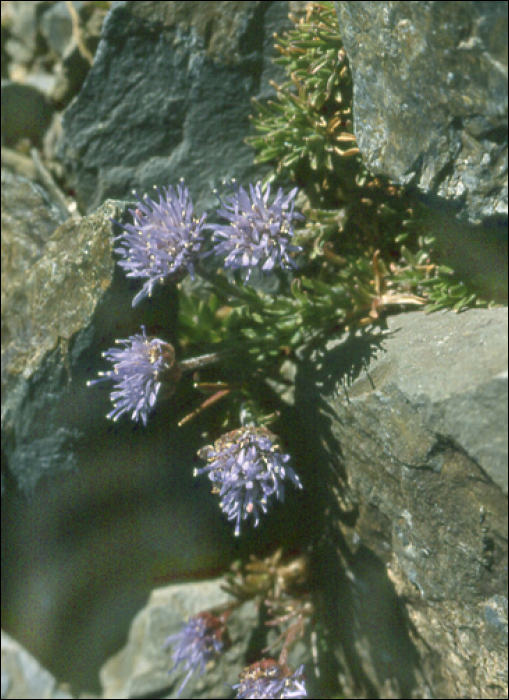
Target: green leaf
296,291
291,159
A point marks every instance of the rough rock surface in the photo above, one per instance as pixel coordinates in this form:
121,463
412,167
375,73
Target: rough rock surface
414,424
430,96
169,96
23,677
23,238
45,305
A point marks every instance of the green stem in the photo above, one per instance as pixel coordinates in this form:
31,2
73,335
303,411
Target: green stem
227,290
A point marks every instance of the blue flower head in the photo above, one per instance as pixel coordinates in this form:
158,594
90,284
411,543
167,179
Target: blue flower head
268,679
200,640
246,468
164,239
258,234
139,370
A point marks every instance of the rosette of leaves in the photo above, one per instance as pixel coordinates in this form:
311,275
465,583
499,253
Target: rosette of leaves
362,232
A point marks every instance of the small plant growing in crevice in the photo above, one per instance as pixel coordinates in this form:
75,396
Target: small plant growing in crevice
362,232
321,247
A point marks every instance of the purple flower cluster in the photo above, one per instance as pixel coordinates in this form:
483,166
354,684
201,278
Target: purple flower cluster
247,468
268,679
259,234
139,368
201,640
164,239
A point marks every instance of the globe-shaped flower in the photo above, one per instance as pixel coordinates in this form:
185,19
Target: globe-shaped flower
164,239
247,468
259,233
200,640
139,369
268,679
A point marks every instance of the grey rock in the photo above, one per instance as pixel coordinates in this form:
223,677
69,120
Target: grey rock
42,312
42,81
22,24
24,238
453,370
24,677
23,243
413,444
430,96
168,96
56,26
